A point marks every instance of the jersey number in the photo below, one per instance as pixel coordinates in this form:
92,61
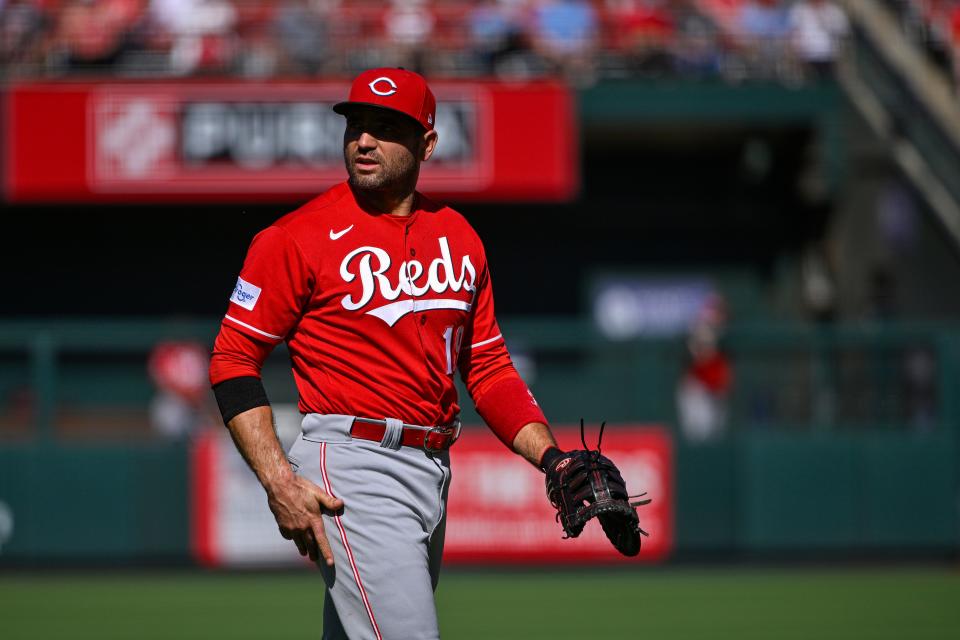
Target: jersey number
452,338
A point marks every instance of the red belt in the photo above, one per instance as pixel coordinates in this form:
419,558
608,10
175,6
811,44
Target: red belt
431,439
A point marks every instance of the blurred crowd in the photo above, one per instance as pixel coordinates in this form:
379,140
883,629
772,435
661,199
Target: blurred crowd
787,40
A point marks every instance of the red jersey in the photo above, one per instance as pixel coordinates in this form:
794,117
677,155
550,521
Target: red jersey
378,311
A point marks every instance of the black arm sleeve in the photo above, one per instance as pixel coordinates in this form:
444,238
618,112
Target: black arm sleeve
236,395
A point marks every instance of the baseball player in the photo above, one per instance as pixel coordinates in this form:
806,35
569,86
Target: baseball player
381,295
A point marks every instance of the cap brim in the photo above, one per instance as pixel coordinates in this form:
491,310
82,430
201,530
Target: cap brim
344,107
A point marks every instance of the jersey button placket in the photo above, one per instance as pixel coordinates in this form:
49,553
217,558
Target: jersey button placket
413,252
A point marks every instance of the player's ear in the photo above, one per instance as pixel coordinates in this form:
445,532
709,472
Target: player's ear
428,144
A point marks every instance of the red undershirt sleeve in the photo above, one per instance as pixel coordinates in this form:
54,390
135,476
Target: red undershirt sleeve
507,407
236,355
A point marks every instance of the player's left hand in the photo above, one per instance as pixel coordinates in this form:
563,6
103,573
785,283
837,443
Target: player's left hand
583,484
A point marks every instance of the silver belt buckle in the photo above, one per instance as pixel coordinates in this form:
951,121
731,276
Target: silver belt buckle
443,431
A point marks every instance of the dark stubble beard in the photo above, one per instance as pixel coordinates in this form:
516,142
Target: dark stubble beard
400,175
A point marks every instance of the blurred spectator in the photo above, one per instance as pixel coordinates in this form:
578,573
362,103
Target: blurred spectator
93,34
408,25
256,51
762,29
698,49
497,39
818,283
920,388
898,218
763,20
565,34
22,27
704,389
644,31
817,28
200,32
181,405
303,30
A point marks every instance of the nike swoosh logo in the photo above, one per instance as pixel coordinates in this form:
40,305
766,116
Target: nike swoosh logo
336,235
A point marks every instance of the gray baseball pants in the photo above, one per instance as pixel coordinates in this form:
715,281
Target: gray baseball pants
388,540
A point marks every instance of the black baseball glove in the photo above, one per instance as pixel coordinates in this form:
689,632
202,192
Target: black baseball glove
584,484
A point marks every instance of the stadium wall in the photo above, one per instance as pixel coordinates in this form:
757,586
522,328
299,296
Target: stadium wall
871,484
758,495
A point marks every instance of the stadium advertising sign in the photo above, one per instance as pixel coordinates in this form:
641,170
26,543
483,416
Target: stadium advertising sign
497,508
627,307
230,522
498,511
270,141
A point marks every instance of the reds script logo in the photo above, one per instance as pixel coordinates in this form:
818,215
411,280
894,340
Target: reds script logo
411,277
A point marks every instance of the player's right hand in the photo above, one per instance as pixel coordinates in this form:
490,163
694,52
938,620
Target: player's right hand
297,505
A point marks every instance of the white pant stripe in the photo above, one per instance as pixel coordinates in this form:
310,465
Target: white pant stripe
346,545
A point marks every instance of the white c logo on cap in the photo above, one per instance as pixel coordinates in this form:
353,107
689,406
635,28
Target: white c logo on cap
389,92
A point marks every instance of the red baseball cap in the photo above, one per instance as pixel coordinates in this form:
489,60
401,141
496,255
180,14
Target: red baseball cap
395,89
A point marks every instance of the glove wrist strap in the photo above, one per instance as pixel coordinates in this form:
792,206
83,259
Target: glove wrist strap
549,457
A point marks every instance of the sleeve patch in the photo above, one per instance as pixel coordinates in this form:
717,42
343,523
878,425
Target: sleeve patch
245,294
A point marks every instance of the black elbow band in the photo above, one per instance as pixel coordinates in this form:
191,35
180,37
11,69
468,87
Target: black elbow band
236,395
